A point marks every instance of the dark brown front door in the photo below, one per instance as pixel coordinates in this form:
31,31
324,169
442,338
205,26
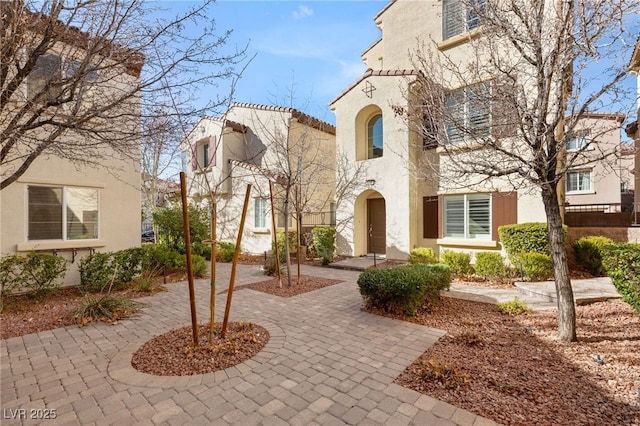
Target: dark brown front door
376,226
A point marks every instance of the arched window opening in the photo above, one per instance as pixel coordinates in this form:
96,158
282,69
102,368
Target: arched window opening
374,137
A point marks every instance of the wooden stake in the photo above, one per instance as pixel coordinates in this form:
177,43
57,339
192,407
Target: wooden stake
275,235
234,265
212,299
187,241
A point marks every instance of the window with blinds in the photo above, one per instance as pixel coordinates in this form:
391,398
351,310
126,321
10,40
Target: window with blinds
467,216
459,16
468,113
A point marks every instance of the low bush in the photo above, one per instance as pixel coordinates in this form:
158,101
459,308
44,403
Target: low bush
200,249
96,272
587,251
459,262
107,308
35,273
198,264
405,288
622,263
535,266
513,307
224,251
324,242
422,255
293,243
489,265
525,238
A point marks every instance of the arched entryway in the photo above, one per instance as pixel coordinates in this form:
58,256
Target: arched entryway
370,219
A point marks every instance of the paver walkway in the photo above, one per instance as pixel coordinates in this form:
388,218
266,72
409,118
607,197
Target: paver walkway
327,363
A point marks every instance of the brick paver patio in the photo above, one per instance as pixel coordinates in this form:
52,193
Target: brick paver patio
327,363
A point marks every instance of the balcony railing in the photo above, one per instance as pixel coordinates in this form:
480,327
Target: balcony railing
603,215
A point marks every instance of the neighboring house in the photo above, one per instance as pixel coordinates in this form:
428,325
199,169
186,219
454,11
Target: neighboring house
256,144
156,193
599,182
633,129
400,204
63,207
398,207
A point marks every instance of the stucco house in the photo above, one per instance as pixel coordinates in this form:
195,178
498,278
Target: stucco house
60,206
633,129
597,181
405,199
256,144
399,206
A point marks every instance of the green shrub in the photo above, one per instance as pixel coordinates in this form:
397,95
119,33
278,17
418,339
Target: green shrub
489,264
525,238
128,263
513,307
588,255
200,249
324,242
225,251
459,262
35,273
170,225
198,264
156,257
535,266
405,288
270,266
96,272
622,263
293,243
422,255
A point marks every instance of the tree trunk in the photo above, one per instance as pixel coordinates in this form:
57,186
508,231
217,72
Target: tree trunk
564,292
286,235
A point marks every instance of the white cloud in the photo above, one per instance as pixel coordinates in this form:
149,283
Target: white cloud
302,12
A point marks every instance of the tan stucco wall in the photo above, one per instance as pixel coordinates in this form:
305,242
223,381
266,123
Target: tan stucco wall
119,207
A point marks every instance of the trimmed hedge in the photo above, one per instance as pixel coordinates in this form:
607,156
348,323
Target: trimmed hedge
422,255
587,251
622,263
404,288
489,264
525,238
324,241
459,262
536,266
36,273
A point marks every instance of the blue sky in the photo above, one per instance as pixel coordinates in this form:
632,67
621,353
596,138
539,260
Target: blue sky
313,47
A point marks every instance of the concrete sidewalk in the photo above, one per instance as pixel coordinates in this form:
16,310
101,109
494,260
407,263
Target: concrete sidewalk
327,363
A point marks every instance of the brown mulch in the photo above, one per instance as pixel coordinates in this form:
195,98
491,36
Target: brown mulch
513,369
173,353
271,286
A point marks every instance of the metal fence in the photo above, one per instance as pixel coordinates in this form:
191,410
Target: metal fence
604,215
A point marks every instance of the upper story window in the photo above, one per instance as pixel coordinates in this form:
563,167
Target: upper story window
578,140
203,154
459,16
579,181
375,143
62,213
51,73
468,113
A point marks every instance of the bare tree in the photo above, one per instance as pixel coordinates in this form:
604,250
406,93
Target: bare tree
73,84
501,118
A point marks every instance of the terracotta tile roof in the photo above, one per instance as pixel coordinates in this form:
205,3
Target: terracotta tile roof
236,127
277,177
635,57
300,116
375,73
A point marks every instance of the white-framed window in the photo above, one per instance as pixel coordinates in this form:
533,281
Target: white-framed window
579,181
468,113
205,155
467,216
62,213
260,213
459,16
578,140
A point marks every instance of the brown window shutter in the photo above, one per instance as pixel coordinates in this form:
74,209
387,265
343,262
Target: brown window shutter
430,215
504,211
440,217
504,114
